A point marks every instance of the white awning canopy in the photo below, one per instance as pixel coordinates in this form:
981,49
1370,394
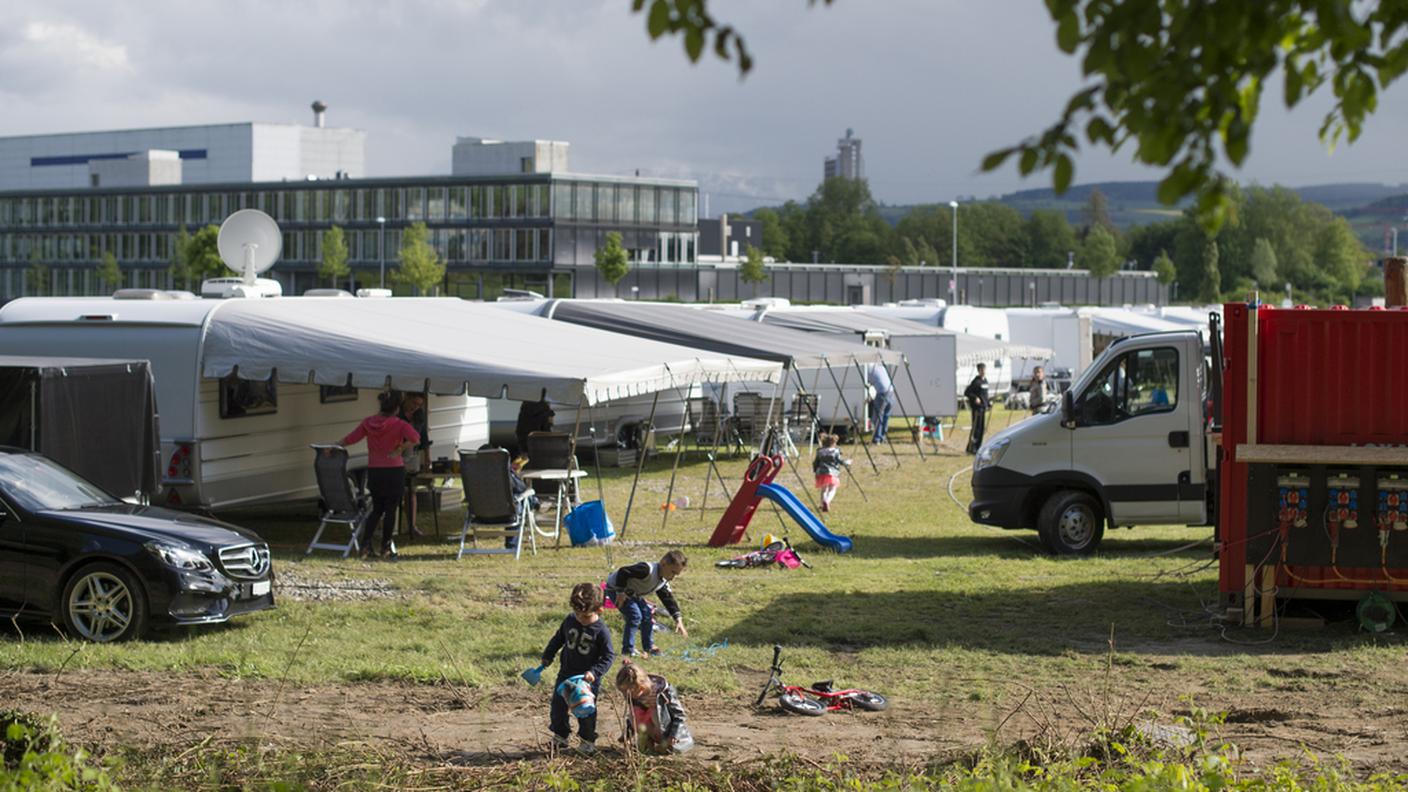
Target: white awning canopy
449,346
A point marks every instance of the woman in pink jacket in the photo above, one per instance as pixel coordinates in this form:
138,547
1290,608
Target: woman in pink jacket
387,439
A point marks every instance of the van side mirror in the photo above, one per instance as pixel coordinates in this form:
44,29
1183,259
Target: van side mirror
1068,410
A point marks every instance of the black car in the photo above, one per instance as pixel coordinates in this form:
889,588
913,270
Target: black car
107,570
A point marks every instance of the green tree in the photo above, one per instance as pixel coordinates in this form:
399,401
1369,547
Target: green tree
1210,290
1178,83
418,264
1263,265
1049,238
109,272
1163,267
334,259
1098,254
180,268
612,263
752,269
202,254
775,241
37,276
1097,213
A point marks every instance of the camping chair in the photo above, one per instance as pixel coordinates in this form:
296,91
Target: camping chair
341,503
491,511
552,451
752,413
802,418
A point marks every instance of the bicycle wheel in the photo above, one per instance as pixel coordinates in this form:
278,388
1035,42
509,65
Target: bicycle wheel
801,704
864,699
731,563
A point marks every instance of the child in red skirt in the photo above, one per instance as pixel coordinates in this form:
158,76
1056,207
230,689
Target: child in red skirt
827,467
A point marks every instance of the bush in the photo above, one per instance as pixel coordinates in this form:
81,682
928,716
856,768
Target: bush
34,757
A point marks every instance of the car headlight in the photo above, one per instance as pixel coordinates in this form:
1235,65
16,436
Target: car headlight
181,557
990,454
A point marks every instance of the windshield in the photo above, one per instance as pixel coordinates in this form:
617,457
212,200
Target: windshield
37,483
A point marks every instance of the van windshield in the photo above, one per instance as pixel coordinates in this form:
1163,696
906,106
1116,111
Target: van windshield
36,483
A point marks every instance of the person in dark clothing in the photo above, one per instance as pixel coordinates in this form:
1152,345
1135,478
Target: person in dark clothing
1036,394
628,587
977,396
585,644
532,417
413,412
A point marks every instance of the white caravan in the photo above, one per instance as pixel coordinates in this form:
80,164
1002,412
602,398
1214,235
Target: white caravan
1128,447
1064,331
226,442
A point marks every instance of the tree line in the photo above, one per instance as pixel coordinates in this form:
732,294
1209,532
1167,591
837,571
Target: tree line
1271,237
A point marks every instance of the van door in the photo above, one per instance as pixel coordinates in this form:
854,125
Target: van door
1193,482
1132,434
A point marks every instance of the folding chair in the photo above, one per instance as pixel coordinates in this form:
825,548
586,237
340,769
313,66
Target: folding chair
491,511
341,503
552,451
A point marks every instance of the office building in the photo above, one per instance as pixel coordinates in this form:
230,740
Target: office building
848,163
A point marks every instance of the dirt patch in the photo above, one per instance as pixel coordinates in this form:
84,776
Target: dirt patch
293,585
444,724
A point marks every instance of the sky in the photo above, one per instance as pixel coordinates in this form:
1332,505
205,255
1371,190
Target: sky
930,86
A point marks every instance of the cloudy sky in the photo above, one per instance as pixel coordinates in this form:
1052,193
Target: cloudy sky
929,85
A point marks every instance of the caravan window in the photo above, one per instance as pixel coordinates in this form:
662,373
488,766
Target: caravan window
328,394
239,398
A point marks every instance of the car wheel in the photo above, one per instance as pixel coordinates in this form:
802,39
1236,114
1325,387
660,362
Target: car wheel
1070,523
103,603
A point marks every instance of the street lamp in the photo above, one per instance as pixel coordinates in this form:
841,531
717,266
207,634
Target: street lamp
381,248
953,281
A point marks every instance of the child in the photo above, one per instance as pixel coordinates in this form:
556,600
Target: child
656,717
586,650
827,467
628,587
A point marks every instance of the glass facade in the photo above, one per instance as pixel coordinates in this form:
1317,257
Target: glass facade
509,228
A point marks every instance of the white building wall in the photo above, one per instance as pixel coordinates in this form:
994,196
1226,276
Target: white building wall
277,152
483,157
145,169
326,152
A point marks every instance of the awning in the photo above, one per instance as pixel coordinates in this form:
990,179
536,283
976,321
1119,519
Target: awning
449,346
724,335
1121,322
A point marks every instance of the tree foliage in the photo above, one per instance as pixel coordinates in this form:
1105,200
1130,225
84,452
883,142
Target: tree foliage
1049,239
775,239
418,264
202,255
109,272
333,264
752,269
37,280
180,268
1263,264
612,263
1178,85
1210,290
1163,268
1098,253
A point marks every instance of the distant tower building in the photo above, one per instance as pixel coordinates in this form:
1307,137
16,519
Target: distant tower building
848,163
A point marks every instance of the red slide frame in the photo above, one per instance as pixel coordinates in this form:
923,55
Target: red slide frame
745,502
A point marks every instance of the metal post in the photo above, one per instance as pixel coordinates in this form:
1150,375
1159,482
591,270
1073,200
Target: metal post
679,450
904,411
817,420
953,282
850,414
596,456
381,248
924,413
640,463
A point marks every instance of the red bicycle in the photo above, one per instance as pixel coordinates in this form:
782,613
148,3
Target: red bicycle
818,699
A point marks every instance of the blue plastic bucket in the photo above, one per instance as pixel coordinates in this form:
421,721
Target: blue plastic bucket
588,524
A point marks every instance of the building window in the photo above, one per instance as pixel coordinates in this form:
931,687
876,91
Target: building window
240,398
415,204
626,203
394,202
478,208
435,204
330,394
459,203
520,199
501,244
525,164
544,244
606,203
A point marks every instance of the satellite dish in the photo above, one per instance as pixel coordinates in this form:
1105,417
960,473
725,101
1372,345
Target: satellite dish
249,243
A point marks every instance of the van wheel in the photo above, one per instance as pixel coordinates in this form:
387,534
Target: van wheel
1070,523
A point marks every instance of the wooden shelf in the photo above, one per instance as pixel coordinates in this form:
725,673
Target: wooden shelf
1321,455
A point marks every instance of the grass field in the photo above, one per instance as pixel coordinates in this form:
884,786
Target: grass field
977,636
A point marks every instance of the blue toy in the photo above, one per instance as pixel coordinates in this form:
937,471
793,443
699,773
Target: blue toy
534,675
578,695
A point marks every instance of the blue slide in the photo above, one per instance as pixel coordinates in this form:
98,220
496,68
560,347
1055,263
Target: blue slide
804,517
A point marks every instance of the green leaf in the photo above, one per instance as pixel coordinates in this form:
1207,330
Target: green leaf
1028,161
1061,176
1178,183
1294,85
994,160
1068,32
659,20
694,43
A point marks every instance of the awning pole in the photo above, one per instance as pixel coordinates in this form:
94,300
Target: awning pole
801,482
572,461
850,414
938,423
640,463
596,456
905,411
772,405
863,379
679,449
817,420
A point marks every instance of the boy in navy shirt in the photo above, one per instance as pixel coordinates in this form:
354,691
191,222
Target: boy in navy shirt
585,644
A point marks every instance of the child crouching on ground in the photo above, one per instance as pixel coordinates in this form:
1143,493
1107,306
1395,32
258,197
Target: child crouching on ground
628,587
656,718
827,467
585,644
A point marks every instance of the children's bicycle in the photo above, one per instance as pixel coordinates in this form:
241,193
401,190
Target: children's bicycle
818,699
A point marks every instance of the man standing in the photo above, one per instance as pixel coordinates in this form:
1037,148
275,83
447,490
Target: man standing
1036,394
882,402
977,395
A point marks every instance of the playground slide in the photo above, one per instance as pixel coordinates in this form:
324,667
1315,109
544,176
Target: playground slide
799,512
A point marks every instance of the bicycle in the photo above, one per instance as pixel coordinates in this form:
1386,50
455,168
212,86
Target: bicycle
818,699
780,553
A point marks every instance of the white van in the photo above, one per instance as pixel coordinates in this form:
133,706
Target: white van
1128,447
224,442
